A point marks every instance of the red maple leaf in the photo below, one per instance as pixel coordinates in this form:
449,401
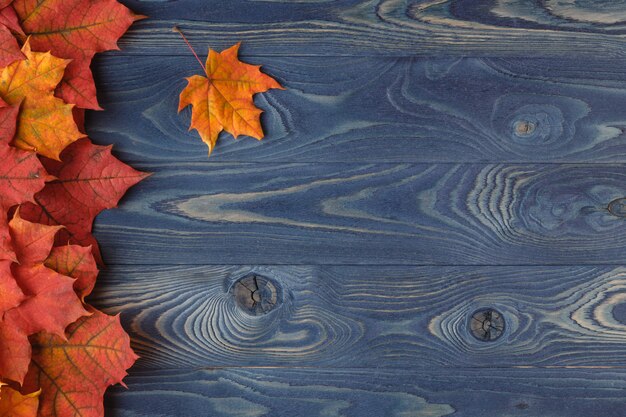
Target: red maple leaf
73,374
10,293
8,121
9,18
35,307
6,247
9,48
15,352
76,262
42,287
88,180
21,176
75,29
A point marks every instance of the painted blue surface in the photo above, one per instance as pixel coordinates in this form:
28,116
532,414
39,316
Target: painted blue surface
428,159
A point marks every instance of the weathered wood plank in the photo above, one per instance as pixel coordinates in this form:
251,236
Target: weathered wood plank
396,317
372,393
414,214
384,27
380,110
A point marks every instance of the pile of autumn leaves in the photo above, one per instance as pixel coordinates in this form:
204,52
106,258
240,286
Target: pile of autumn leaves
57,354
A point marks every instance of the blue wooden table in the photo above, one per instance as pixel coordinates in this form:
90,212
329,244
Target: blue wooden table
434,224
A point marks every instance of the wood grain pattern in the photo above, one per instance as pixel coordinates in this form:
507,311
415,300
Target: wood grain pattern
428,159
371,393
413,214
374,316
380,110
553,28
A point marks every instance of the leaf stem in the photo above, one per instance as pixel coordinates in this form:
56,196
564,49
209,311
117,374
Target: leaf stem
177,30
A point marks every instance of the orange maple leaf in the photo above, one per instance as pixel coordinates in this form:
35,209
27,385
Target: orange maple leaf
75,29
223,100
45,123
73,374
14,404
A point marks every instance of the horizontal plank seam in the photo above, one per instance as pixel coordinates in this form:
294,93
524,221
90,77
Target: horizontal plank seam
157,162
433,55
598,265
377,368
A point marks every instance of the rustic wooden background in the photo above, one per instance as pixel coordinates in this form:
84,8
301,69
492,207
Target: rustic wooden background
428,159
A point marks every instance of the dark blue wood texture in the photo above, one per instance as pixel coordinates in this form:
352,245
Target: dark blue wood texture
379,109
344,213
371,316
523,28
428,159
288,392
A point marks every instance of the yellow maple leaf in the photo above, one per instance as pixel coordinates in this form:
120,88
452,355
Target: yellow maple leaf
45,124
223,100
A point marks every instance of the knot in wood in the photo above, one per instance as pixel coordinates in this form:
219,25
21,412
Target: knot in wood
524,127
617,207
487,324
256,294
